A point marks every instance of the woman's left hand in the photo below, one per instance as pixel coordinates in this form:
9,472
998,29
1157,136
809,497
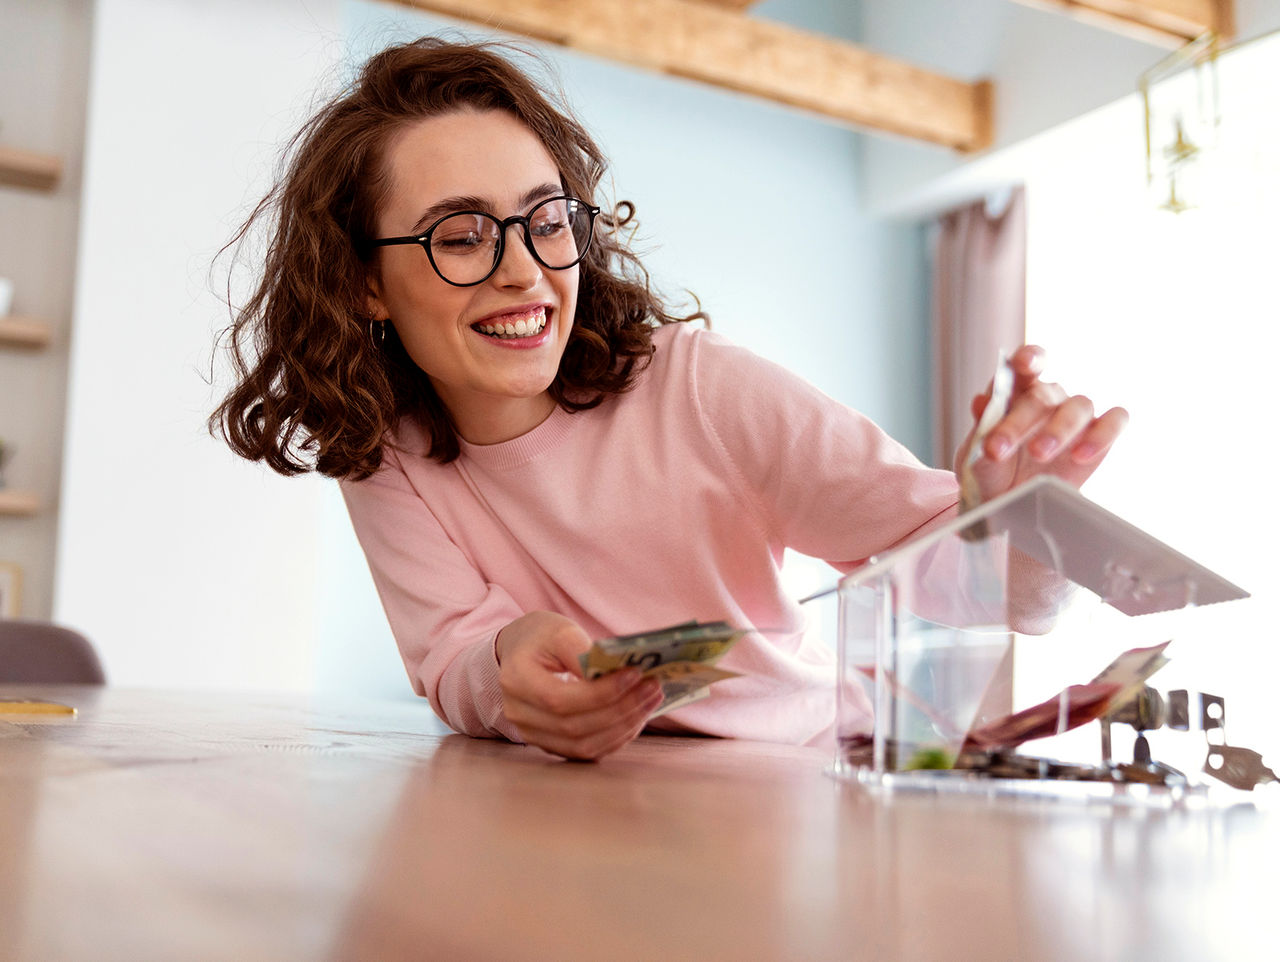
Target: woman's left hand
1044,431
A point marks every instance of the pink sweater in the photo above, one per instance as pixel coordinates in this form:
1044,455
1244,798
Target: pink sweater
670,502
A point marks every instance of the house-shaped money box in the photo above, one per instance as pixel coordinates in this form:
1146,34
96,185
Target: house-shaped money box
932,638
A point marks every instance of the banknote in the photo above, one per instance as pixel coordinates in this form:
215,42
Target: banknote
1076,705
997,408
688,641
686,681
1130,671
682,657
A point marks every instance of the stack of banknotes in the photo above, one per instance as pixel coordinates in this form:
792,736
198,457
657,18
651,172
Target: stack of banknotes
683,658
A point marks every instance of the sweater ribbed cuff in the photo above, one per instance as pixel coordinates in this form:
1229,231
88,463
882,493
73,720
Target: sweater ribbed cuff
483,671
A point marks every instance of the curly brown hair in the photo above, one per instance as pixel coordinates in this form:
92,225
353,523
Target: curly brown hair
313,391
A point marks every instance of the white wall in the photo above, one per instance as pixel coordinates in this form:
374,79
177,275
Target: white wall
1049,69
1175,318
191,569
185,566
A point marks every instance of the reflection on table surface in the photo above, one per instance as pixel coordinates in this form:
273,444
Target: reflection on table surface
158,825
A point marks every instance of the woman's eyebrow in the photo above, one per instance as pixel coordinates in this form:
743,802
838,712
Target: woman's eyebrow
449,205
541,192
458,202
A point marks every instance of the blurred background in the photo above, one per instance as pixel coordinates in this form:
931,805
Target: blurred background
819,241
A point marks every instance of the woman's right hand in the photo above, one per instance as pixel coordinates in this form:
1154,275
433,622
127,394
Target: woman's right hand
545,696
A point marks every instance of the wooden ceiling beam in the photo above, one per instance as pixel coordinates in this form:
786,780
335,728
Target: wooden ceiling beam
739,5
701,41
1168,23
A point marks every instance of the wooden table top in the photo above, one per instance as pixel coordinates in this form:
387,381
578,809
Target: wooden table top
159,825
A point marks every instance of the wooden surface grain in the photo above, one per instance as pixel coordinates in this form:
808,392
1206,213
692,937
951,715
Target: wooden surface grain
158,825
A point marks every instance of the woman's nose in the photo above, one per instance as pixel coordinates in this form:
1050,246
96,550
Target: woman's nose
517,267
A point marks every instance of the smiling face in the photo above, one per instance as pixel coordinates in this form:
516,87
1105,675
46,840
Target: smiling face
494,383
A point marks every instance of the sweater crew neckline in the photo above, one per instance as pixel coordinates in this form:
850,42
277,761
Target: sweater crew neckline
511,454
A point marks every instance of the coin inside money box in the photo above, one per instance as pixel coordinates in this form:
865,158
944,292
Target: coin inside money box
933,638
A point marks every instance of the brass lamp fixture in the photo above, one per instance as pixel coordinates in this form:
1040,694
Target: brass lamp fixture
1181,115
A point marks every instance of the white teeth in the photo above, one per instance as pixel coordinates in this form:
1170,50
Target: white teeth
523,327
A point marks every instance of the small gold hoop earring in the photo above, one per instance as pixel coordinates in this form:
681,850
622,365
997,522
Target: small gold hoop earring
377,332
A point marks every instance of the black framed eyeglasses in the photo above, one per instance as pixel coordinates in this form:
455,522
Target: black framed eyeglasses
465,248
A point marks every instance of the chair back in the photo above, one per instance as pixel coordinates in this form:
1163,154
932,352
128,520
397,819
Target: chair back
39,651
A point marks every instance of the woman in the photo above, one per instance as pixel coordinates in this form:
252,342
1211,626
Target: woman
533,451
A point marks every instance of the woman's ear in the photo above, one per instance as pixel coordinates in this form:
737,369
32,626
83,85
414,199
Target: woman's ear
373,306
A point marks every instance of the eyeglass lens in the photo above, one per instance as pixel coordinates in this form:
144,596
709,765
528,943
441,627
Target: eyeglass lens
464,247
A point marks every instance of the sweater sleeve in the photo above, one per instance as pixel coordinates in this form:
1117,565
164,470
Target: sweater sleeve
823,479
445,617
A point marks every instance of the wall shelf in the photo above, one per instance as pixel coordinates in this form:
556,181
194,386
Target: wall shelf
26,168
18,503
23,332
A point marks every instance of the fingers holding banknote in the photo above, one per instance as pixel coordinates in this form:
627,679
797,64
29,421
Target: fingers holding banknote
545,696
1041,430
